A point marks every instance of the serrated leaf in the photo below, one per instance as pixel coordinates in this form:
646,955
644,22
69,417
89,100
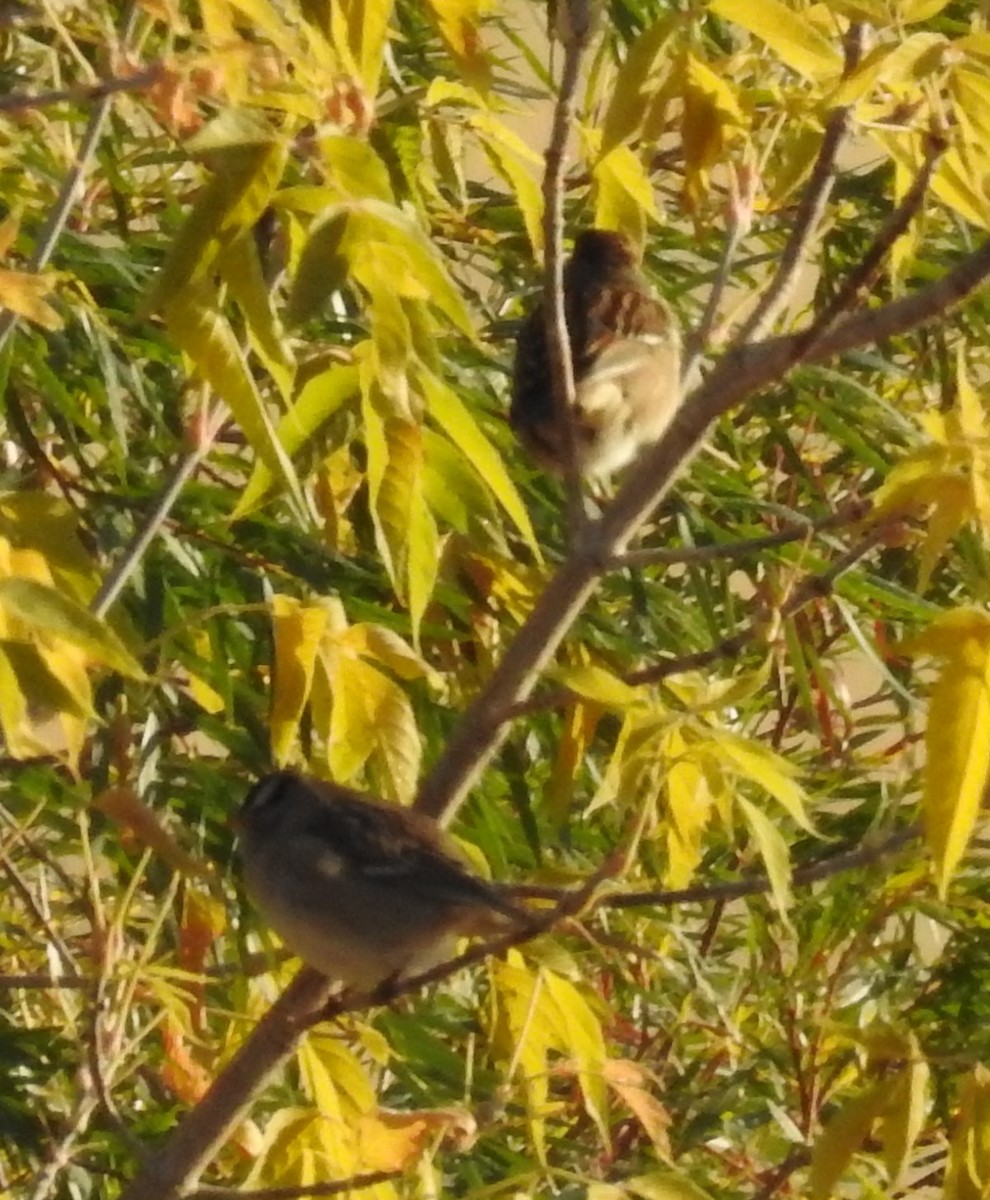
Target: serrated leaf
598,684
50,612
248,158
623,193
514,162
353,241
789,34
25,294
689,808
635,83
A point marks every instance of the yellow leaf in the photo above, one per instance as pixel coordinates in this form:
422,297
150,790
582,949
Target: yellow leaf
904,1117
459,23
788,33
957,737
205,696
623,193
297,629
360,28
318,399
773,851
961,182
771,771
890,65
637,80
48,611
689,804
712,117
458,423
202,332
968,1176
247,157
664,1185
579,1035
596,683
513,161
372,716
24,294
843,1136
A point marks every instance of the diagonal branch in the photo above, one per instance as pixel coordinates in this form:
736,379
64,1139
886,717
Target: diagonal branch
810,211
739,373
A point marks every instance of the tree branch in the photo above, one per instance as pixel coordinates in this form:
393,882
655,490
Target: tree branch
555,317
810,211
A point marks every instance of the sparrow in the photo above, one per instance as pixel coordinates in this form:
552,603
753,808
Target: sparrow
625,349
364,891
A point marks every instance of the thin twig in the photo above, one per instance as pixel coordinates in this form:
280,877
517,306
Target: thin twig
865,273
60,1152
39,979
848,859
119,575
555,316
810,211
812,587
739,218
83,93
848,514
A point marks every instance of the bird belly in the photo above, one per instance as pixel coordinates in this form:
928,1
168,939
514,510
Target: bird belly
626,402
359,933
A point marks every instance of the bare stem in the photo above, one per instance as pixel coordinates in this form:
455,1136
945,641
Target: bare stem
555,317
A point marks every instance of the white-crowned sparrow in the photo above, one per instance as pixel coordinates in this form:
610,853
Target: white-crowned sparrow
626,351
364,891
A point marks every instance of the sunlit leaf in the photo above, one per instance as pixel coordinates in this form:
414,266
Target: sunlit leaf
797,42
50,612
957,735
297,629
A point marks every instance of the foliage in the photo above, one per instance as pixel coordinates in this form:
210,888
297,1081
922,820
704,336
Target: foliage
290,282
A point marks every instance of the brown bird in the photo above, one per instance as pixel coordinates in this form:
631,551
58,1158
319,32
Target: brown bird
361,890
626,351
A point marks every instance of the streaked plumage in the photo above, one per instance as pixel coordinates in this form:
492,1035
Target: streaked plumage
625,347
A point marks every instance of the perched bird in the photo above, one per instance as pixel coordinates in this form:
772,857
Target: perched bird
625,348
364,891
